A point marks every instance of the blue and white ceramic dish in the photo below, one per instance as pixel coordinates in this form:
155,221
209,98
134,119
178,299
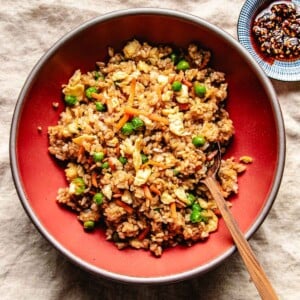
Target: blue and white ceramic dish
277,69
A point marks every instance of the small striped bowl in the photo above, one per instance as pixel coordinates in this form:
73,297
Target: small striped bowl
281,70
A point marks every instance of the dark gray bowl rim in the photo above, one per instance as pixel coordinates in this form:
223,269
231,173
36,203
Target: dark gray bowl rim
78,261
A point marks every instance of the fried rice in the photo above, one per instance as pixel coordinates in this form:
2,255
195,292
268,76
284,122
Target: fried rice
137,135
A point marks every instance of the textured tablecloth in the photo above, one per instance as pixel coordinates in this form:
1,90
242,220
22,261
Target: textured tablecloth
31,269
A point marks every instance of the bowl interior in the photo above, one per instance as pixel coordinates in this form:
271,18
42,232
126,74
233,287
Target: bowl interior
38,176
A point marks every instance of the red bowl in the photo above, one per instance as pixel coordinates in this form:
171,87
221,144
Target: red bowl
252,104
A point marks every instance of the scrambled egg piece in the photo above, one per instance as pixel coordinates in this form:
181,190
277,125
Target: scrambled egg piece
183,97
74,87
136,155
166,198
131,49
181,195
107,191
142,176
72,171
176,124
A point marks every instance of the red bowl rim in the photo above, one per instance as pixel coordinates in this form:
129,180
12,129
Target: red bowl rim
18,109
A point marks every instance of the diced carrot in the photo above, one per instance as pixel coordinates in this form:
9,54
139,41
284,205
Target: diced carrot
111,164
97,96
151,116
183,106
122,121
158,92
173,210
133,111
127,208
81,151
132,92
156,163
117,150
158,118
198,167
144,233
155,190
116,190
94,179
187,83
126,116
171,78
147,192
90,160
117,195
109,105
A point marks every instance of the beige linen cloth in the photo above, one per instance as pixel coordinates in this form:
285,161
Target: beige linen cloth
31,269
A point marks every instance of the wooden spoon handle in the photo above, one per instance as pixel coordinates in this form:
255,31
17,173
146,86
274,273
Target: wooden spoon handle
255,270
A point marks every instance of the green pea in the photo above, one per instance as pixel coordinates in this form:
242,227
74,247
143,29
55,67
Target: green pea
200,89
98,156
70,100
174,57
89,225
176,86
195,216
137,123
144,158
79,185
176,172
191,198
98,75
183,65
89,91
100,106
127,128
196,206
98,198
122,160
198,141
105,165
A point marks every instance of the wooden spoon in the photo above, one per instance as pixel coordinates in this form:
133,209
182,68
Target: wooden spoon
255,270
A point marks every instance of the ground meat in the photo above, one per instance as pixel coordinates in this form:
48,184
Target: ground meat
277,30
